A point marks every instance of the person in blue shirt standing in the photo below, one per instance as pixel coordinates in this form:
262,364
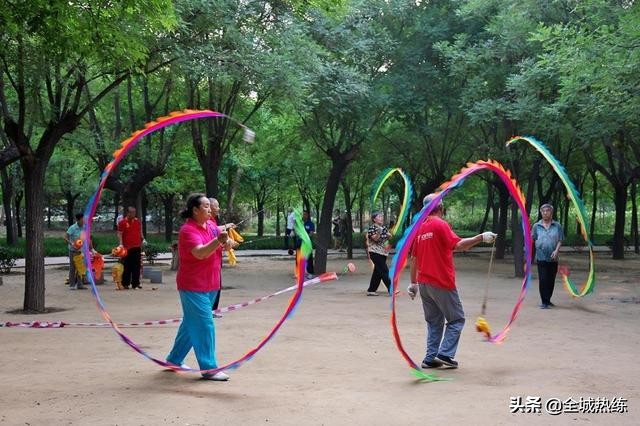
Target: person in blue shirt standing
547,236
73,234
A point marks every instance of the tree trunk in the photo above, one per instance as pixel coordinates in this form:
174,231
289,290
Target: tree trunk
7,198
594,209
70,206
167,202
620,201
634,217
234,186
338,167
260,207
17,203
116,210
69,209
278,210
212,185
144,203
306,204
34,256
487,208
565,218
317,207
503,212
348,231
518,242
495,214
531,184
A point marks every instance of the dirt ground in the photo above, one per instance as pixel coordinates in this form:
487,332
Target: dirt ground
334,362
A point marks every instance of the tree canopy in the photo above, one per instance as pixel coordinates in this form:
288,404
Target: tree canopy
335,90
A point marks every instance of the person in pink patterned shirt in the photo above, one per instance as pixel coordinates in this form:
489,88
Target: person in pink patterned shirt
198,282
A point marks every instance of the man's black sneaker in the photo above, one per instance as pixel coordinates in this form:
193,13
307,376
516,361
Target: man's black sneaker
431,364
551,305
447,361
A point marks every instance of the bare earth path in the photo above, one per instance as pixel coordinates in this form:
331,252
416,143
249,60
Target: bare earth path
334,362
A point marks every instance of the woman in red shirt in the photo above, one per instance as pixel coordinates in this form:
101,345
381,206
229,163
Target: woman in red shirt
198,281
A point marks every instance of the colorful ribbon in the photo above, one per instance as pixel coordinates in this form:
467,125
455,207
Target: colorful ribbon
328,276
404,246
118,155
406,197
589,285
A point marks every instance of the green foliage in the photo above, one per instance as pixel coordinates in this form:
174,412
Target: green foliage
103,242
64,31
7,259
151,251
424,85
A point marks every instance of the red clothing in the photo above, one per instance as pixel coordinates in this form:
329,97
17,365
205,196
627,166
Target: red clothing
201,275
433,250
131,230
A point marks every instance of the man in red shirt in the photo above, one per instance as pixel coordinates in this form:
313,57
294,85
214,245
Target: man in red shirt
130,237
433,275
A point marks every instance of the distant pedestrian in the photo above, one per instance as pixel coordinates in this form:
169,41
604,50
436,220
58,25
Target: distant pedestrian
377,237
337,231
547,235
289,233
130,237
72,236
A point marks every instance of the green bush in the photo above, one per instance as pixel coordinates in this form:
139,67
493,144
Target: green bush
151,252
266,242
103,242
7,259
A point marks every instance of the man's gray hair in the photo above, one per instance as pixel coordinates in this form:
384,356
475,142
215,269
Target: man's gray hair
428,198
546,206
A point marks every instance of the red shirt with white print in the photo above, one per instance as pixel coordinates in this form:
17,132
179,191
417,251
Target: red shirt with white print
433,252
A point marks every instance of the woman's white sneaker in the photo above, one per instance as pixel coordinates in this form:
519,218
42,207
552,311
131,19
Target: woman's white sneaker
220,376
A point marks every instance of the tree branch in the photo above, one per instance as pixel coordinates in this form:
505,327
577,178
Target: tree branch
102,94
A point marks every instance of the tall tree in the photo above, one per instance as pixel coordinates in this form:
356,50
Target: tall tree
50,51
239,55
596,59
343,106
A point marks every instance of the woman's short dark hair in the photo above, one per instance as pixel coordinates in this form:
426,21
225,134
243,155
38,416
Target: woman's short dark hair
192,201
375,214
79,215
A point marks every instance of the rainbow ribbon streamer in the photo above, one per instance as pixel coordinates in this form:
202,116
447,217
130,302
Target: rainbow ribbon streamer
406,198
404,246
92,205
327,276
305,248
589,285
